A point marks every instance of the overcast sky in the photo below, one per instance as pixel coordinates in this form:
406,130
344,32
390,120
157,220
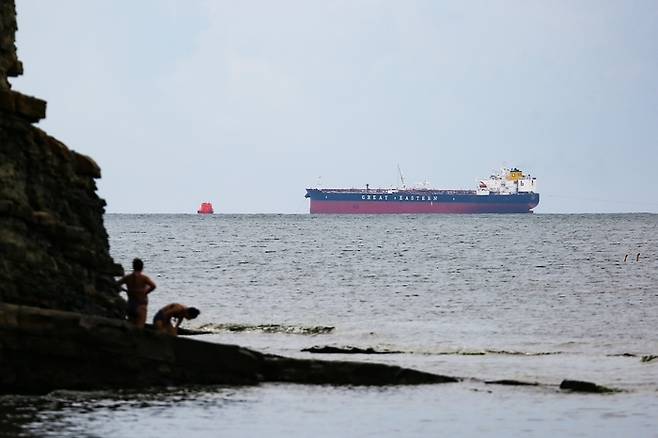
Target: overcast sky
247,103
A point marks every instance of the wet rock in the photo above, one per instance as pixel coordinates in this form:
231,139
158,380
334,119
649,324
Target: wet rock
191,332
182,331
42,350
511,382
268,328
327,349
282,369
523,353
584,386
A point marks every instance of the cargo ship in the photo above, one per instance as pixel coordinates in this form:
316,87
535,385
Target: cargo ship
509,191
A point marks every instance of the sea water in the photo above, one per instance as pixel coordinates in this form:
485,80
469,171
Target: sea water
534,298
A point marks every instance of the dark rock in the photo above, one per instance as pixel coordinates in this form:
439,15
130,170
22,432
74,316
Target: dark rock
51,224
182,331
30,108
56,147
9,63
27,107
16,69
327,349
44,219
510,382
583,386
42,350
191,332
649,358
269,328
51,219
282,369
85,165
7,101
6,207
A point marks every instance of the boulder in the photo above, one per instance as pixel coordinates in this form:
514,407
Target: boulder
584,386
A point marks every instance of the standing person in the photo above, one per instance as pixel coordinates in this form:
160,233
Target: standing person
138,287
162,319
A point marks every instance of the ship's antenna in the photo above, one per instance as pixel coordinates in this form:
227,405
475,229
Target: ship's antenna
401,176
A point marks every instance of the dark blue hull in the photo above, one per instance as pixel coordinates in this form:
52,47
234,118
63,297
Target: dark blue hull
377,201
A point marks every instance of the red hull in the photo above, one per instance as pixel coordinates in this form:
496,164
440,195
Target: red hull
350,207
206,208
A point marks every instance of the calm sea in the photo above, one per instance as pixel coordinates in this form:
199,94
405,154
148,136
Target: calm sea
538,298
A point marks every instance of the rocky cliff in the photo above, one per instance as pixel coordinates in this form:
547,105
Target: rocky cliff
54,250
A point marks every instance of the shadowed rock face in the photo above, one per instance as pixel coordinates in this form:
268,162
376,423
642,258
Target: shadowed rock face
9,63
55,252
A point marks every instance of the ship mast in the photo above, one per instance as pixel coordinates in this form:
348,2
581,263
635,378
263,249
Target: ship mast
401,176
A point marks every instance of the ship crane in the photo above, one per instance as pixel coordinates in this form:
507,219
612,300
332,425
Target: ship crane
401,177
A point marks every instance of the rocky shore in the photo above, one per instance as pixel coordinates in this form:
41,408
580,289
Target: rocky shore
42,350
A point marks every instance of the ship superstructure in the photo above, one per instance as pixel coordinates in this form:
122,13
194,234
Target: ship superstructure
507,182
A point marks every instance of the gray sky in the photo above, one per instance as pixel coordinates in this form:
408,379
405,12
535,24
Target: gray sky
247,103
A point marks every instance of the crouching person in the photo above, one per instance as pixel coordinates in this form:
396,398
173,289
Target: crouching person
162,319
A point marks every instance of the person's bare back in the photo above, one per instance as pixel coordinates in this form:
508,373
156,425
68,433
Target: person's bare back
162,319
138,286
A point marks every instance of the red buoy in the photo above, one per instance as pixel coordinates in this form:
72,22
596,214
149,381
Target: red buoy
206,208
